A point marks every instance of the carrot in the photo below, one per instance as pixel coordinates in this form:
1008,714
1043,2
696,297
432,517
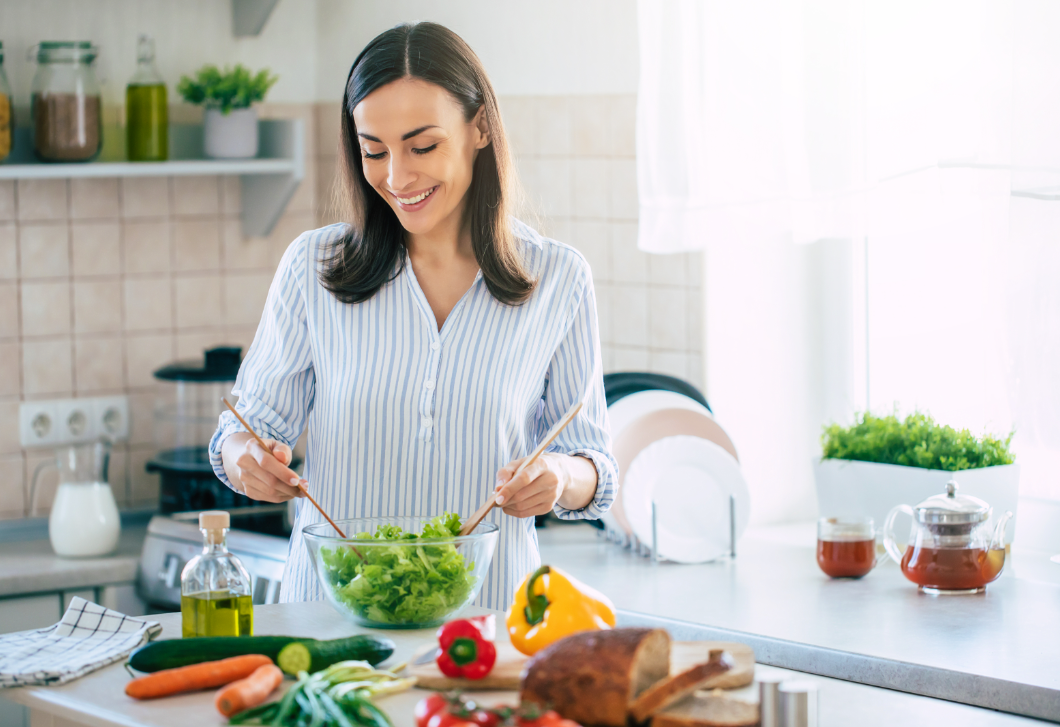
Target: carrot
206,675
249,692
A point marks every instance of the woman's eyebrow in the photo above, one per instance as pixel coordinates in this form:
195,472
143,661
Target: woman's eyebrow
406,137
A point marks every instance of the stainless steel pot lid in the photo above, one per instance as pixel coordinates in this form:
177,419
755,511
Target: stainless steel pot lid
951,508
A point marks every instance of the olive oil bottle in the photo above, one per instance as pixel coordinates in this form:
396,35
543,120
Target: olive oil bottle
215,596
146,109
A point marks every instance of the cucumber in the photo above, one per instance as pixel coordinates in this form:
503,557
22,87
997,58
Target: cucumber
312,656
173,653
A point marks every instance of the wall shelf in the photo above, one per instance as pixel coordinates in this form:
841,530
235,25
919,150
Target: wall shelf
267,181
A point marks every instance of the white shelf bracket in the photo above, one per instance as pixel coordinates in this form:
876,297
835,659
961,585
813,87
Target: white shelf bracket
265,196
250,16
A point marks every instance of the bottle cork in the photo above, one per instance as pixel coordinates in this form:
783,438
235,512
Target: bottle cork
214,522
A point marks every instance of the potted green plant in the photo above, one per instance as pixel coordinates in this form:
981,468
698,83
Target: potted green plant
879,462
230,123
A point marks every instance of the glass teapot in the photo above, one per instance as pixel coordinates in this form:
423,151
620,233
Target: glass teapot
953,548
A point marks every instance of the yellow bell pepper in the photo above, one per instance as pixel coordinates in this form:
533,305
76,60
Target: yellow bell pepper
550,605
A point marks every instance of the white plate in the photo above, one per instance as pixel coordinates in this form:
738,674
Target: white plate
690,480
630,408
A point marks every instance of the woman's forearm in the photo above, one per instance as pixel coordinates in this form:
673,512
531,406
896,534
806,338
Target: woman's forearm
581,482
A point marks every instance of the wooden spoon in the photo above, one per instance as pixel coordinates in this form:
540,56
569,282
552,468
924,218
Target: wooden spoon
491,501
305,490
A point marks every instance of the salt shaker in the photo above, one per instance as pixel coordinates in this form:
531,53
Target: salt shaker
798,704
769,700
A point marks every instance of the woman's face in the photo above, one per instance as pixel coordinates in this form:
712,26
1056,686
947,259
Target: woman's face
417,151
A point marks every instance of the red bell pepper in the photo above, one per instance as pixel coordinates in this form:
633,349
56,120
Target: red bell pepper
467,648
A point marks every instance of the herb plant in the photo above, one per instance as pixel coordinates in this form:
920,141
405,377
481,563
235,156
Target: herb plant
918,441
235,88
406,583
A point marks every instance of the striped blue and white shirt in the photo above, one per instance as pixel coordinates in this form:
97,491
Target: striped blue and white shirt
407,420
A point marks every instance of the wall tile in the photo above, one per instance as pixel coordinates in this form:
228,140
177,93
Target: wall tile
629,315
148,305
592,125
556,228
47,483
9,438
42,199
99,364
603,312
44,250
628,264
696,303
527,201
304,197
118,478
145,354
593,241
95,248
287,230
592,188
192,344
696,373
9,311
624,199
608,356
196,245
554,126
8,252
195,196
669,362
146,246
623,125
45,308
144,486
198,300
327,117
327,208
243,253
47,367
12,487
630,359
667,319
669,269
10,360
231,195
553,191
241,336
142,416
244,298
97,306
695,268
144,197
93,199
7,199
519,114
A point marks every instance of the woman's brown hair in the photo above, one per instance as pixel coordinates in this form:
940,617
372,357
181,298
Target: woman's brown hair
372,252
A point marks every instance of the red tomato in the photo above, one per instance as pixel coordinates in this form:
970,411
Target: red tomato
548,719
445,719
428,707
482,718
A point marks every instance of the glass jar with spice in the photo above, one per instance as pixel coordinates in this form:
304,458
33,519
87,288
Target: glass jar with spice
7,117
66,106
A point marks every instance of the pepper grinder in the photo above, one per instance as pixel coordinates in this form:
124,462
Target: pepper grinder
798,704
769,700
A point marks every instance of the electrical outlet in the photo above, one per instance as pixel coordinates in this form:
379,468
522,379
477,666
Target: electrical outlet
73,421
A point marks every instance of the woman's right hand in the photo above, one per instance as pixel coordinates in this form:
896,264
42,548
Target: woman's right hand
261,474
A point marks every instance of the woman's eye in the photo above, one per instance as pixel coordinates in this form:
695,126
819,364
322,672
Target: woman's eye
424,151
380,155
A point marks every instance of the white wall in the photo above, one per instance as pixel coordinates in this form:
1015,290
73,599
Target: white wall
547,47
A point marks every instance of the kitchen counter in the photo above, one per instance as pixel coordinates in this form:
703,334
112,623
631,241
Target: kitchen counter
98,699
996,649
30,566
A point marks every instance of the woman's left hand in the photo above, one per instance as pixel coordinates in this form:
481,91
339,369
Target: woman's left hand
537,489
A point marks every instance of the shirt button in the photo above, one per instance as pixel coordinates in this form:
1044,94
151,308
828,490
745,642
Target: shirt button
429,385
435,345
427,422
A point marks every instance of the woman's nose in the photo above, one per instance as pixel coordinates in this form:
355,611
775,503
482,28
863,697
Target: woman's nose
399,175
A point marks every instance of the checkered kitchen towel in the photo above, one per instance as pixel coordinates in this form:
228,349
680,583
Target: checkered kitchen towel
88,637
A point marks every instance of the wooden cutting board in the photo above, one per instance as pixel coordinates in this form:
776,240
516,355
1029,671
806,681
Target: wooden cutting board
509,667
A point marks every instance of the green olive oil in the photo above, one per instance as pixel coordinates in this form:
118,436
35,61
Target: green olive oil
146,109
216,613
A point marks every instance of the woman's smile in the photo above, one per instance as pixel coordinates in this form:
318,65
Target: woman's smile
414,201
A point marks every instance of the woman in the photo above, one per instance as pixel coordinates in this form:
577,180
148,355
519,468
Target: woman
431,342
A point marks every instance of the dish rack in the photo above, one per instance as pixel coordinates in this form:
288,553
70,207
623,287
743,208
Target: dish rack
651,550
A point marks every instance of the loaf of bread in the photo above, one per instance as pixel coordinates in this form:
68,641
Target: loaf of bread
594,677
678,686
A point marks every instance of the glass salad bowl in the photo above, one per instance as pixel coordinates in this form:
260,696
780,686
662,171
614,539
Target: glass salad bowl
401,572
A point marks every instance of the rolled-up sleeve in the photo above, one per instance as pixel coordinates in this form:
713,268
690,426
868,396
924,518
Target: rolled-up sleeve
275,385
576,368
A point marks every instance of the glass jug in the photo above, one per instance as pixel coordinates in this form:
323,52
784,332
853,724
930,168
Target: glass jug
84,520
953,548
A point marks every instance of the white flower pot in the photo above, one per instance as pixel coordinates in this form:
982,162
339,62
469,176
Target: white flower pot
854,489
230,136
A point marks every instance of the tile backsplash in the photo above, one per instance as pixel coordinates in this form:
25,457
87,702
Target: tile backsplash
104,280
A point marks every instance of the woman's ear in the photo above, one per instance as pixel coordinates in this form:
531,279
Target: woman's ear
482,127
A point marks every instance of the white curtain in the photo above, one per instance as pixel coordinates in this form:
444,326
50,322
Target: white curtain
925,134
